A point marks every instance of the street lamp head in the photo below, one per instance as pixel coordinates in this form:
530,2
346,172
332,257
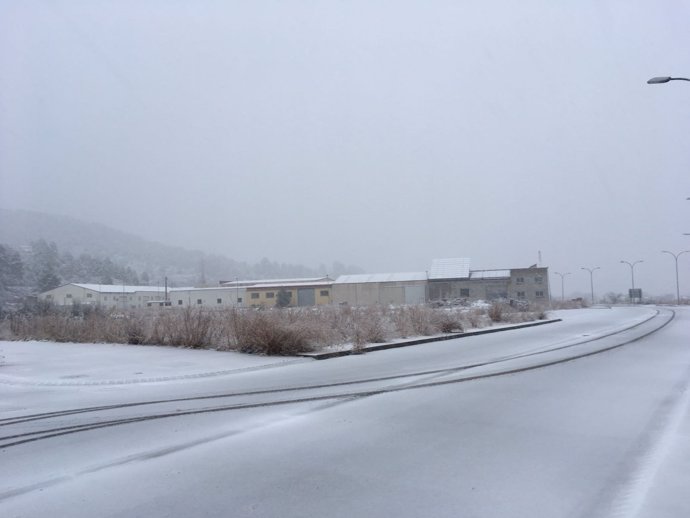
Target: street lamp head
658,80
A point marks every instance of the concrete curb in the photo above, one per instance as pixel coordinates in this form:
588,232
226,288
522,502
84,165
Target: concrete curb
417,341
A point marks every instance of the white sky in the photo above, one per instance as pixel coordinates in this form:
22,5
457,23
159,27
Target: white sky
379,133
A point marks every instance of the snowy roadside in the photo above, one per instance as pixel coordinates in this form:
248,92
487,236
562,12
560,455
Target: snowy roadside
335,351
76,364
71,364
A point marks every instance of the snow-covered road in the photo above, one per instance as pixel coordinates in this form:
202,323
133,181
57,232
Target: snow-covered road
203,434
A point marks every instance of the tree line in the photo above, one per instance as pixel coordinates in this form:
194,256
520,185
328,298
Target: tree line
41,267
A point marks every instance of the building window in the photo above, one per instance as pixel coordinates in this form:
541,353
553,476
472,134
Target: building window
198,301
540,294
239,300
464,292
270,295
255,295
179,302
521,294
105,298
324,293
519,280
219,301
89,295
49,297
538,280
69,295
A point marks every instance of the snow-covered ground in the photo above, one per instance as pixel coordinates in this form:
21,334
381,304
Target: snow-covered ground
604,435
50,363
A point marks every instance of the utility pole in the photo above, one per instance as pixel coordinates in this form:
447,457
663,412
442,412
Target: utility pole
562,284
591,279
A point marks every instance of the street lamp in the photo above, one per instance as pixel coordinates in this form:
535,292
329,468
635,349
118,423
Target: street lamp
591,279
676,256
666,79
562,284
632,273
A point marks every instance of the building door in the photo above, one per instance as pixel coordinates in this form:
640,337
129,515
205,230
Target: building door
306,297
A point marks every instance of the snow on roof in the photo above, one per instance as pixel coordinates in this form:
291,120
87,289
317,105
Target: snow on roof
212,288
451,268
303,280
118,288
489,274
289,284
381,277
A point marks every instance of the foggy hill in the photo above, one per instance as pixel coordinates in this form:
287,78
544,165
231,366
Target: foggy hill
18,228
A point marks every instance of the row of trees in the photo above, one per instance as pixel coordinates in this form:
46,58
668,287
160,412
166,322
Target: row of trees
41,267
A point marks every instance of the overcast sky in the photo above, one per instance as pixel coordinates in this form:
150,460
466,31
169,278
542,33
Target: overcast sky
378,133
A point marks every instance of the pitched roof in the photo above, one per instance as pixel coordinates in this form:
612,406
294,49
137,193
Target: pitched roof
450,268
489,274
303,280
381,277
118,288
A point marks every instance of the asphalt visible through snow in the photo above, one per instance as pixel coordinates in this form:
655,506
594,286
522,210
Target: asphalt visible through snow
586,417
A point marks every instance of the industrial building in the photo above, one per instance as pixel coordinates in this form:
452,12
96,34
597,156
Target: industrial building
104,295
380,288
452,279
448,280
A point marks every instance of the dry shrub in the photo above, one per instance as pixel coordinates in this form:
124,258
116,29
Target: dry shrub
476,318
495,312
192,328
369,326
270,333
447,321
422,320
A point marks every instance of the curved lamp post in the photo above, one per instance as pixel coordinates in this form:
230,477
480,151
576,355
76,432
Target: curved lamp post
632,272
666,79
591,279
562,284
676,256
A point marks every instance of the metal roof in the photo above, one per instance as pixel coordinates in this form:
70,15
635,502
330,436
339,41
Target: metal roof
489,274
288,285
118,288
451,268
381,277
303,280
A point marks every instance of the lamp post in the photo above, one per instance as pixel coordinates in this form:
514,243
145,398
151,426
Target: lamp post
562,284
676,256
665,79
632,273
591,279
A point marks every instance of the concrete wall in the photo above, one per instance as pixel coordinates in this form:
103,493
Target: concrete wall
531,284
207,297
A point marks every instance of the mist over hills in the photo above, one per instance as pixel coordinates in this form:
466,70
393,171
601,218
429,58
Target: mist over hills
19,228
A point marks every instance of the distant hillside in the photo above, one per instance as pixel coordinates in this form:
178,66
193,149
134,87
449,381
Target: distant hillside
18,228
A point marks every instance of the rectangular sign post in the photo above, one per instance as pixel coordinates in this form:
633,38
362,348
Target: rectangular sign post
635,294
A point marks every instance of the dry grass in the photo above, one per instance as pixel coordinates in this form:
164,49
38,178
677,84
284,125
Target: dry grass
286,331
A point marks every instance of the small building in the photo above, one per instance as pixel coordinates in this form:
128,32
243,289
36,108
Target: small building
380,288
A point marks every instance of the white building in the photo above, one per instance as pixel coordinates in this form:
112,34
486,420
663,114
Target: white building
105,295
216,297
